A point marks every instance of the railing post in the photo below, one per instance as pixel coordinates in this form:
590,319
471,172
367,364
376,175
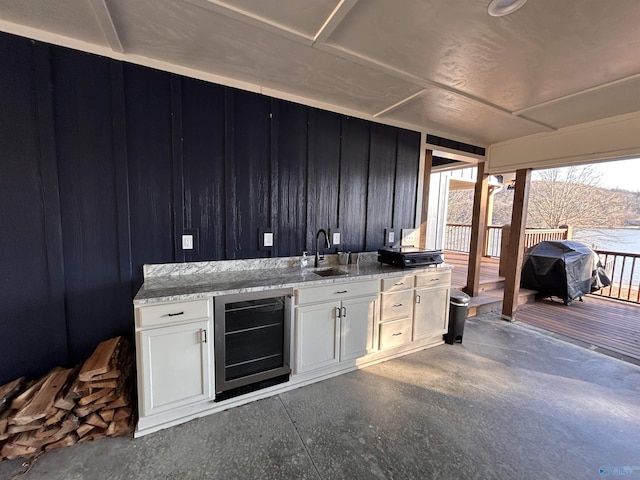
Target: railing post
504,248
568,231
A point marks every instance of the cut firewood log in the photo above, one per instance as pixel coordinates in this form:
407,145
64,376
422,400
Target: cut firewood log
11,451
123,412
95,420
103,392
43,399
107,415
111,383
86,410
100,360
10,390
67,441
38,424
121,427
84,429
119,402
4,420
21,400
94,434
56,417
66,398
110,375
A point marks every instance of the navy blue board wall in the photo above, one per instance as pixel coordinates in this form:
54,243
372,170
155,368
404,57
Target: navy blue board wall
104,164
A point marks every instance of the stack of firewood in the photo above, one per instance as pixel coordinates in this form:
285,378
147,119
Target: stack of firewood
69,406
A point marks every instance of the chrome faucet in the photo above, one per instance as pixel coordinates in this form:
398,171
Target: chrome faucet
328,245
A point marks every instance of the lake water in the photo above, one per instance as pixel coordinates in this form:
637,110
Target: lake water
625,240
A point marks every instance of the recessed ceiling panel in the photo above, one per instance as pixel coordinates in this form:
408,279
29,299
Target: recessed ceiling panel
206,41
448,112
71,18
611,101
305,16
545,50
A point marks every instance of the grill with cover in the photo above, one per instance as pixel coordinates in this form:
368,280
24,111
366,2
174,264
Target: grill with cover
564,269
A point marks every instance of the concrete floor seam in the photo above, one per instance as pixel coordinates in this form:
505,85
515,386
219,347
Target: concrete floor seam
295,427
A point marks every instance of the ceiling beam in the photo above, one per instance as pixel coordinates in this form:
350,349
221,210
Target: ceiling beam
109,29
334,19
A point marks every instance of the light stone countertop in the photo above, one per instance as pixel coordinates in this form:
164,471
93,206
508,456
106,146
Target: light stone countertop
225,277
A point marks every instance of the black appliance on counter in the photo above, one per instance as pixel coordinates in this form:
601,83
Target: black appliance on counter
252,342
409,256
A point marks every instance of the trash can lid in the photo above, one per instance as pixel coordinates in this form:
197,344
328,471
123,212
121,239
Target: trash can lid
459,297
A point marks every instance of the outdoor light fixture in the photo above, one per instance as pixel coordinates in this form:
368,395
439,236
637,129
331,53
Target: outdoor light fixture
499,8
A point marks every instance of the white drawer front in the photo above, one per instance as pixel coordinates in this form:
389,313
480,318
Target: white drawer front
169,313
434,279
397,332
397,283
396,304
335,291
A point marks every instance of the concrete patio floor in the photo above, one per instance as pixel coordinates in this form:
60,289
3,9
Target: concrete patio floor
509,403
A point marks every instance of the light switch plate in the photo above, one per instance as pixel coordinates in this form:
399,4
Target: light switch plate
335,237
390,237
187,242
268,239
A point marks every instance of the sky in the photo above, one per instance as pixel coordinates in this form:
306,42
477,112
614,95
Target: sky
624,174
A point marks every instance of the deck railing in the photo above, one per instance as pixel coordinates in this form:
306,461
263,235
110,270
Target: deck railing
623,269
458,237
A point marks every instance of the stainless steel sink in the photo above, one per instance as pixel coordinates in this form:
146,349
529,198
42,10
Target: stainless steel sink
330,272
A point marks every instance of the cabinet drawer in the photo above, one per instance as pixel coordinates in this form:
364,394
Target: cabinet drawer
335,291
397,332
397,304
397,283
434,279
168,313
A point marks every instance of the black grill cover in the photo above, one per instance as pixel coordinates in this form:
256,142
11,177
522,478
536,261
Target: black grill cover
564,269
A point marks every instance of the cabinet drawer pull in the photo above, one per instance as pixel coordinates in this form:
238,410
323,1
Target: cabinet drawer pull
396,334
342,291
397,305
174,314
399,283
434,279
338,312
344,311
417,298
203,335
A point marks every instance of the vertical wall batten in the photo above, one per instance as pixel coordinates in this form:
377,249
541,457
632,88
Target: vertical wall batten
177,205
121,175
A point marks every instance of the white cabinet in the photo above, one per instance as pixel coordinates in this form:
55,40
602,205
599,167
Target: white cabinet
317,336
431,306
174,345
334,323
358,317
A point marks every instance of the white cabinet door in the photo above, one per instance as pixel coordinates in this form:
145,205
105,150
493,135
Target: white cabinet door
175,366
357,324
317,336
431,312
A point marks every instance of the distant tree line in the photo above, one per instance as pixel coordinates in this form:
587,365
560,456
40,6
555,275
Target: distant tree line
562,196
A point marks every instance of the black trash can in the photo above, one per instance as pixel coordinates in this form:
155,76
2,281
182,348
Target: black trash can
458,308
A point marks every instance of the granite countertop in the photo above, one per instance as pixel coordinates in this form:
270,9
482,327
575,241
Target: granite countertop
228,277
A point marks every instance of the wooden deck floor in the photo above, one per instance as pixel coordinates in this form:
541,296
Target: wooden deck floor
460,261
602,322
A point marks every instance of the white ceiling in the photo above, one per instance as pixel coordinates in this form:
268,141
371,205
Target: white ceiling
440,66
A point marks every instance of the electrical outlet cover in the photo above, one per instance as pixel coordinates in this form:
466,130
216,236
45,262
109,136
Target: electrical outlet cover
334,237
266,239
410,237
